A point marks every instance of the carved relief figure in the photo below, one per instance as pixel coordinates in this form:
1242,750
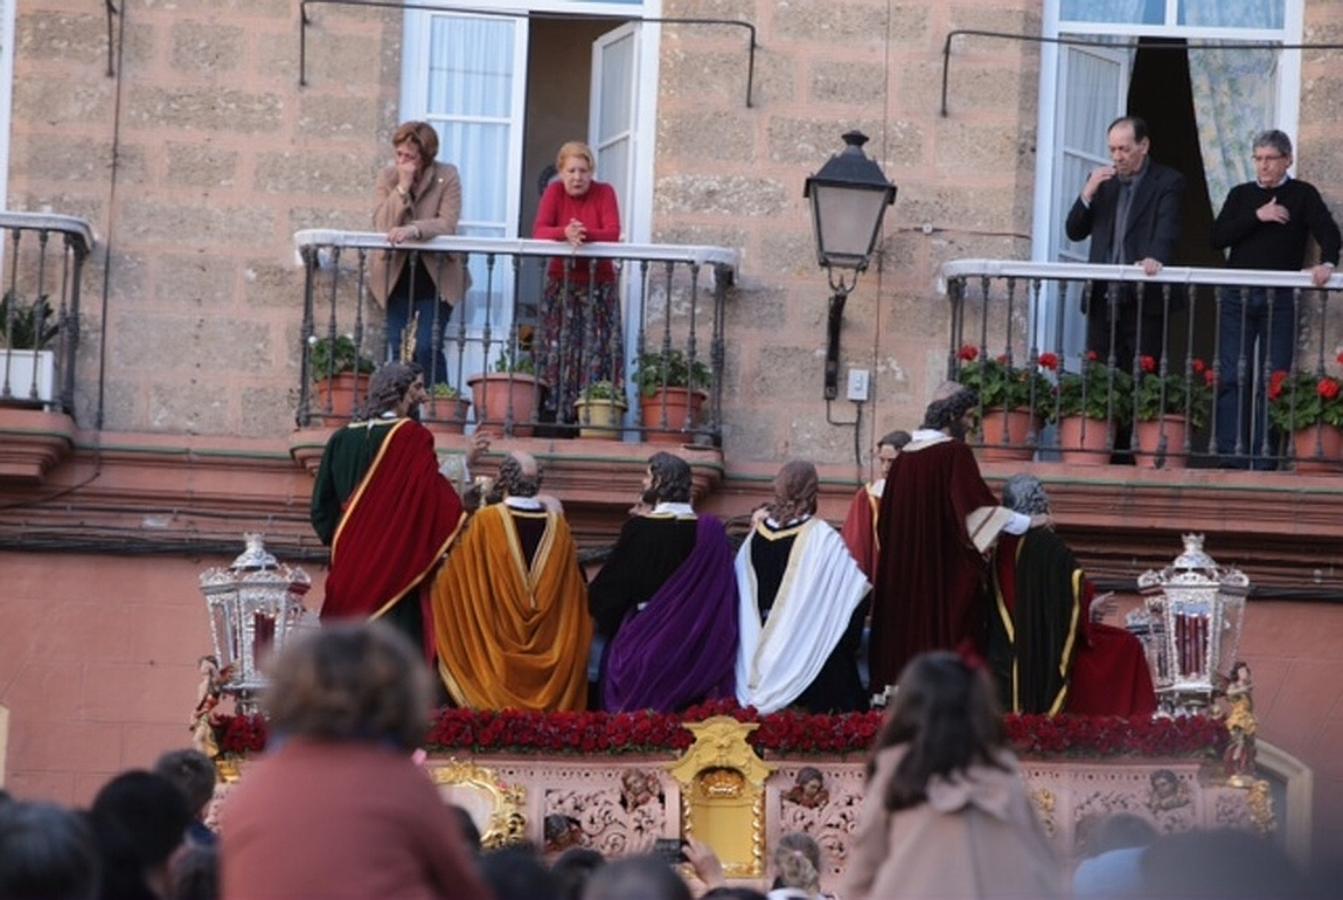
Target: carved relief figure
1168,792
638,787
809,789
562,832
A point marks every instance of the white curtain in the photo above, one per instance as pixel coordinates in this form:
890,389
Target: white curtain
1149,12
471,71
1234,91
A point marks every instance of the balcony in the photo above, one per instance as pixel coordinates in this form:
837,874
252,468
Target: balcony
1130,442
44,257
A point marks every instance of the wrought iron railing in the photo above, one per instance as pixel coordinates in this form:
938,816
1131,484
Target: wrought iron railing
1188,389
44,259
516,354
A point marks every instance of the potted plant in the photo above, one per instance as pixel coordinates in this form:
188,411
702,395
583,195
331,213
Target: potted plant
1087,405
1166,407
337,366
1014,400
510,393
672,391
27,367
447,409
600,410
1308,406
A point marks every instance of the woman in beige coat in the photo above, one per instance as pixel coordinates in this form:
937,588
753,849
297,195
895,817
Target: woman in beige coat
946,812
418,199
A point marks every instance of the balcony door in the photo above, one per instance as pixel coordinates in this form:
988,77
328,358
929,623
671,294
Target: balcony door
503,91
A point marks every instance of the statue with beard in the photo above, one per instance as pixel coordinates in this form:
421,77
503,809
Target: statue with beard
665,602
936,522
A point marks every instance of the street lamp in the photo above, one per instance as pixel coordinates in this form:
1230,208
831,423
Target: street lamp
849,196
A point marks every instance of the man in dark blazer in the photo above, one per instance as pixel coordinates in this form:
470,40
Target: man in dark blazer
1131,212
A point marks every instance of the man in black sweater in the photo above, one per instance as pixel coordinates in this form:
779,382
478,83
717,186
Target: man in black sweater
1265,223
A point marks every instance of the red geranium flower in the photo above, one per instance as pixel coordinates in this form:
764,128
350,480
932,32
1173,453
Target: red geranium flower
1327,388
969,353
1049,361
1148,364
1002,359
1275,384
1093,356
1210,377
1199,366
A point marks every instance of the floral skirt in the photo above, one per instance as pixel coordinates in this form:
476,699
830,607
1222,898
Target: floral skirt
580,343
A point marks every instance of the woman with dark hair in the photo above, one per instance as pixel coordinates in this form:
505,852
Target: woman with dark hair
946,812
340,809
417,199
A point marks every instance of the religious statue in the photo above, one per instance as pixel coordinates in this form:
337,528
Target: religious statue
208,695
1240,725
808,789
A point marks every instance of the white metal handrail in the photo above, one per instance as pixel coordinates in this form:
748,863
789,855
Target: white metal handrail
1047,271
76,228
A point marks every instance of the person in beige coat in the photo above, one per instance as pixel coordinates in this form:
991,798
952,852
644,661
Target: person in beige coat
418,199
946,812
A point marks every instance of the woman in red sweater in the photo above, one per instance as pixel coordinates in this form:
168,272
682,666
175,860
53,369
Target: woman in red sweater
580,317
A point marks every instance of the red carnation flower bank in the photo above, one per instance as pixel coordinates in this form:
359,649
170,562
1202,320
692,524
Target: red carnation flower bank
779,734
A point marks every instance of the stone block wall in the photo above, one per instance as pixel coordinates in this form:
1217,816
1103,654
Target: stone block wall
732,175
221,156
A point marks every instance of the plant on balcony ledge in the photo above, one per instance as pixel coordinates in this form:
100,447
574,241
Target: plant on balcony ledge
673,388
1085,404
336,365
511,391
1309,407
26,330
1166,407
1015,400
446,410
599,410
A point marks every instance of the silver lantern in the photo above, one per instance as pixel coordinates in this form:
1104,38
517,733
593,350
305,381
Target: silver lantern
1190,626
254,605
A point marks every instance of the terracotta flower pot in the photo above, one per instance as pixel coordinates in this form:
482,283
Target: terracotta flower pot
682,407
1016,432
334,398
1150,436
1318,450
600,418
1083,441
495,393
446,415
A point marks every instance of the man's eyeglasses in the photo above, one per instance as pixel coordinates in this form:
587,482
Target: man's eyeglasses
1265,157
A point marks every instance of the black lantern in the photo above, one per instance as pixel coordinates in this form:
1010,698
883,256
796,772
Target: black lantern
848,197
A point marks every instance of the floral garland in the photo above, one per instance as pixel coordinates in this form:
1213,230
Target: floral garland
779,734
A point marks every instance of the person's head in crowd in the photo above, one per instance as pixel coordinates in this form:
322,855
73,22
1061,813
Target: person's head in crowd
733,893
1119,832
396,388
795,491
576,167
573,870
889,447
1272,151
417,143
797,863
517,873
194,873
350,682
947,719
637,878
1224,863
1026,494
668,480
470,831
47,853
193,774
139,820
951,414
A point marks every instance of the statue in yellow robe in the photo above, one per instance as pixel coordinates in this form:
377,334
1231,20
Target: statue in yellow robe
510,605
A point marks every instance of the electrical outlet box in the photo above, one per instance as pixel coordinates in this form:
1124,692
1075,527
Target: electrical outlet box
858,384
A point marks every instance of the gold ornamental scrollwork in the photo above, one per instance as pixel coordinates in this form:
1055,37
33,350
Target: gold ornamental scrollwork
723,794
227,769
487,798
1260,802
